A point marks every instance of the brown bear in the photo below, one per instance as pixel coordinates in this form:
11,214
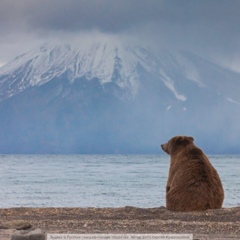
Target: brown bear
193,183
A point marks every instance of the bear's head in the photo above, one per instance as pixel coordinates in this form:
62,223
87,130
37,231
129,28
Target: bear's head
176,143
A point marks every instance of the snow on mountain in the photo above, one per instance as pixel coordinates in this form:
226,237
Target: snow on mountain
101,60
170,84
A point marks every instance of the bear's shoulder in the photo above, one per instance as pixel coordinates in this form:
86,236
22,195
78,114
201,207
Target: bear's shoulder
195,151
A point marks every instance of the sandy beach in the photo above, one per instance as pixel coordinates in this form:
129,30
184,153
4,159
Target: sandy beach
210,224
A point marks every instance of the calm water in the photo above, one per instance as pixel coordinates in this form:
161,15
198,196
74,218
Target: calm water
98,180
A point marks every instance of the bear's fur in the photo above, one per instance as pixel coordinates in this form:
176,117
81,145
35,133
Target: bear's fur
193,183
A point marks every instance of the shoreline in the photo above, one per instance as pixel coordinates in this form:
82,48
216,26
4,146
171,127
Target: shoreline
222,223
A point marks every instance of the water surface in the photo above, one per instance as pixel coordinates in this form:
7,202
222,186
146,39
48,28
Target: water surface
98,180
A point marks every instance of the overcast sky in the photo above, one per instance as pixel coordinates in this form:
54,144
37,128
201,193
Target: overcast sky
208,27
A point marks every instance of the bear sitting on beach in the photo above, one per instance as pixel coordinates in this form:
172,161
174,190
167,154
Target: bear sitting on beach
193,183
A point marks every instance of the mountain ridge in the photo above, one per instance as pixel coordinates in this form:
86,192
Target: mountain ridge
107,97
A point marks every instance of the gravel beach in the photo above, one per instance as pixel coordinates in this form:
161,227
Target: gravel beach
210,224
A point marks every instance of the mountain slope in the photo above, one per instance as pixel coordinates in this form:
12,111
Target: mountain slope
111,98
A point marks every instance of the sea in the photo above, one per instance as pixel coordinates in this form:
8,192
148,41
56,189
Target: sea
99,180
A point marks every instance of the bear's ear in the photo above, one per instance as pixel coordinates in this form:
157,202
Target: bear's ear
183,140
180,139
191,138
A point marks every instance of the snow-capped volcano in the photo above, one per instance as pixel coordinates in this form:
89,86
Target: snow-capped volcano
110,97
104,60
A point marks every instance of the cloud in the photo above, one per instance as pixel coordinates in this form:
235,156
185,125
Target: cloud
207,27
77,15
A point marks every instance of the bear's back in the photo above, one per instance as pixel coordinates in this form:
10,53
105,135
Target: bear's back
195,180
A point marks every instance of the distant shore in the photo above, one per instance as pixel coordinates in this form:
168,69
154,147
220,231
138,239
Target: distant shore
210,223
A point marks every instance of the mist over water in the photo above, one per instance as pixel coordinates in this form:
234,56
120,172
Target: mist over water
98,180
